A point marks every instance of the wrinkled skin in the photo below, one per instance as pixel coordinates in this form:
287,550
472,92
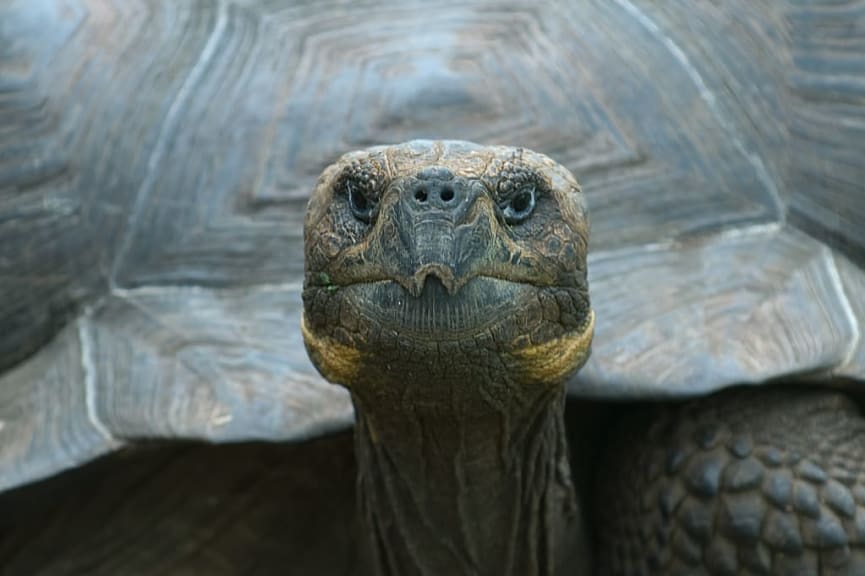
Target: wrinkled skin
446,289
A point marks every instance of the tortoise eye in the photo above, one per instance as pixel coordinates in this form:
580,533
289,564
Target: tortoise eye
520,205
517,189
361,206
362,182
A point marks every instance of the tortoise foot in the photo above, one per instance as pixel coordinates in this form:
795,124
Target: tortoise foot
744,482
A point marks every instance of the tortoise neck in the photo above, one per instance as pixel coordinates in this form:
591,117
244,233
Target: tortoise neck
452,488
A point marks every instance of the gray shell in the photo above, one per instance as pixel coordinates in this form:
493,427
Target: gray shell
155,160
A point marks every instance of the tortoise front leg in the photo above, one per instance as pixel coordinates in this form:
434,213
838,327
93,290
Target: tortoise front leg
744,482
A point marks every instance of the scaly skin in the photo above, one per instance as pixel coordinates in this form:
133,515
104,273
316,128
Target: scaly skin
745,482
453,313
453,304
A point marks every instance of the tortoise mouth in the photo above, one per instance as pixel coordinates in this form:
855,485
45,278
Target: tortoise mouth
485,308
436,313
378,329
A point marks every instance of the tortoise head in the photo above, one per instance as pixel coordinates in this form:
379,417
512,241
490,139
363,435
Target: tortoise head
420,253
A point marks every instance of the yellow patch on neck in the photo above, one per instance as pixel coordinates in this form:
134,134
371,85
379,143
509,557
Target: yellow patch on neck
338,363
553,361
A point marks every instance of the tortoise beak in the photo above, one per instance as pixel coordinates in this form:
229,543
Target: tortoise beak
434,223
437,271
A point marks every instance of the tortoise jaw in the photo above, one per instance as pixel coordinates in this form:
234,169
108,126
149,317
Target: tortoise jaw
430,306
539,334
433,305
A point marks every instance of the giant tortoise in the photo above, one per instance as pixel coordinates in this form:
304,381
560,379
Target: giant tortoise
159,412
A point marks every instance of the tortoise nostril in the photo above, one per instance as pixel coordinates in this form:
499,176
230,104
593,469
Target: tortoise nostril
435,195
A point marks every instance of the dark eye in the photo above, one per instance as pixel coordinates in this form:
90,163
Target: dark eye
520,205
361,206
362,182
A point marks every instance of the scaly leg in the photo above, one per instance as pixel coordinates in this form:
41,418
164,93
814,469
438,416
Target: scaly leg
744,482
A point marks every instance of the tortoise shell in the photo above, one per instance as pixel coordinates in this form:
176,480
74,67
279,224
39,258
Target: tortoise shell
156,159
